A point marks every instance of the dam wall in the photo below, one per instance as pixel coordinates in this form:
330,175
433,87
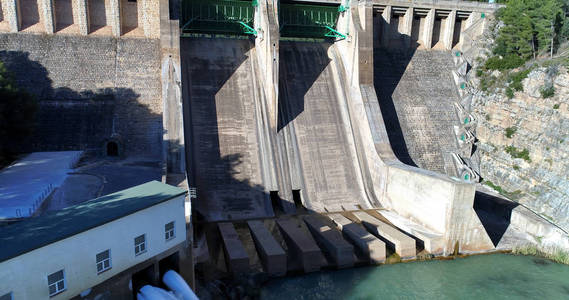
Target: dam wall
313,115
226,163
436,201
417,93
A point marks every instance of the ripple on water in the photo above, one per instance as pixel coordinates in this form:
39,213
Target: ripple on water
497,276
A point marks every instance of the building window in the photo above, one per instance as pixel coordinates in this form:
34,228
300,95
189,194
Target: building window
103,261
140,244
56,282
169,231
6,296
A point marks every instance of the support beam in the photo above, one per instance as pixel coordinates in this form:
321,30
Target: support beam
404,245
331,241
236,256
12,14
115,20
272,255
82,14
427,37
301,245
385,27
370,246
449,30
48,16
408,22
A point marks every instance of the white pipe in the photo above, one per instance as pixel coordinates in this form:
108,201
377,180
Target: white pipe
149,292
178,285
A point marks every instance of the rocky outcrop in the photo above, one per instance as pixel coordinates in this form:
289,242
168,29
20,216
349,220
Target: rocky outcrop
523,143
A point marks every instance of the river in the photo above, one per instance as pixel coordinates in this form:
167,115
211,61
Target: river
496,276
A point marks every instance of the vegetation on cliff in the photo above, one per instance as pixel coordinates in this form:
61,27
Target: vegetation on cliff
530,28
17,116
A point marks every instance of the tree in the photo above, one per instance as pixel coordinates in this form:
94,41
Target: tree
531,27
17,116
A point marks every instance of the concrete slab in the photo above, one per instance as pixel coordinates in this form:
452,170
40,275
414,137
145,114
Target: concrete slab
369,245
272,255
302,245
432,242
331,241
25,184
403,244
236,256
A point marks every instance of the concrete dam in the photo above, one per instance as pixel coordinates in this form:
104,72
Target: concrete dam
320,134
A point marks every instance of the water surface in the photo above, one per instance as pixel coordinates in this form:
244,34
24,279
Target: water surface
496,276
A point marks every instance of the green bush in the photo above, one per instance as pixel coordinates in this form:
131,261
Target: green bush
516,167
479,73
516,153
509,93
516,78
547,91
508,62
556,106
510,132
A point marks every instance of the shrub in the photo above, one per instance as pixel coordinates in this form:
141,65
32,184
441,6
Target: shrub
555,254
556,106
516,167
510,132
516,78
547,91
508,62
509,93
479,73
516,153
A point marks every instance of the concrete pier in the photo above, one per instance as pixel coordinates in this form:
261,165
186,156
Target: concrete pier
272,255
302,245
331,241
369,245
236,257
403,244
432,242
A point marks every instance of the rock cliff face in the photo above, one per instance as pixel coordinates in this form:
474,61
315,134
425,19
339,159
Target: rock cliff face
523,143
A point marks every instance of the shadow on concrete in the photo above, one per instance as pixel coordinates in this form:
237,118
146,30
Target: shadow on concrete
297,73
220,127
495,213
390,62
86,119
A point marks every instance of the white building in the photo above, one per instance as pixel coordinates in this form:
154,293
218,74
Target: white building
131,236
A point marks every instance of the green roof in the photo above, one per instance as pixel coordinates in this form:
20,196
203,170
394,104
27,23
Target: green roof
21,237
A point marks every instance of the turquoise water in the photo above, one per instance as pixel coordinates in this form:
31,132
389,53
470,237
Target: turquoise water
496,276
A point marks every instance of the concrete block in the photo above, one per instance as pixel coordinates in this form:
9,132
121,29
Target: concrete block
301,245
272,255
236,257
403,244
433,242
331,241
369,245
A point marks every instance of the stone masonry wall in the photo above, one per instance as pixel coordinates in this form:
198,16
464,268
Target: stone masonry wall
89,89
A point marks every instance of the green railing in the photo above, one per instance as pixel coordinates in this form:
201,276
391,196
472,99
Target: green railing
234,17
308,21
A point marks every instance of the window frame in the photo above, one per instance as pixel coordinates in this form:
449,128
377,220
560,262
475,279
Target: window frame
170,234
57,290
136,246
109,259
